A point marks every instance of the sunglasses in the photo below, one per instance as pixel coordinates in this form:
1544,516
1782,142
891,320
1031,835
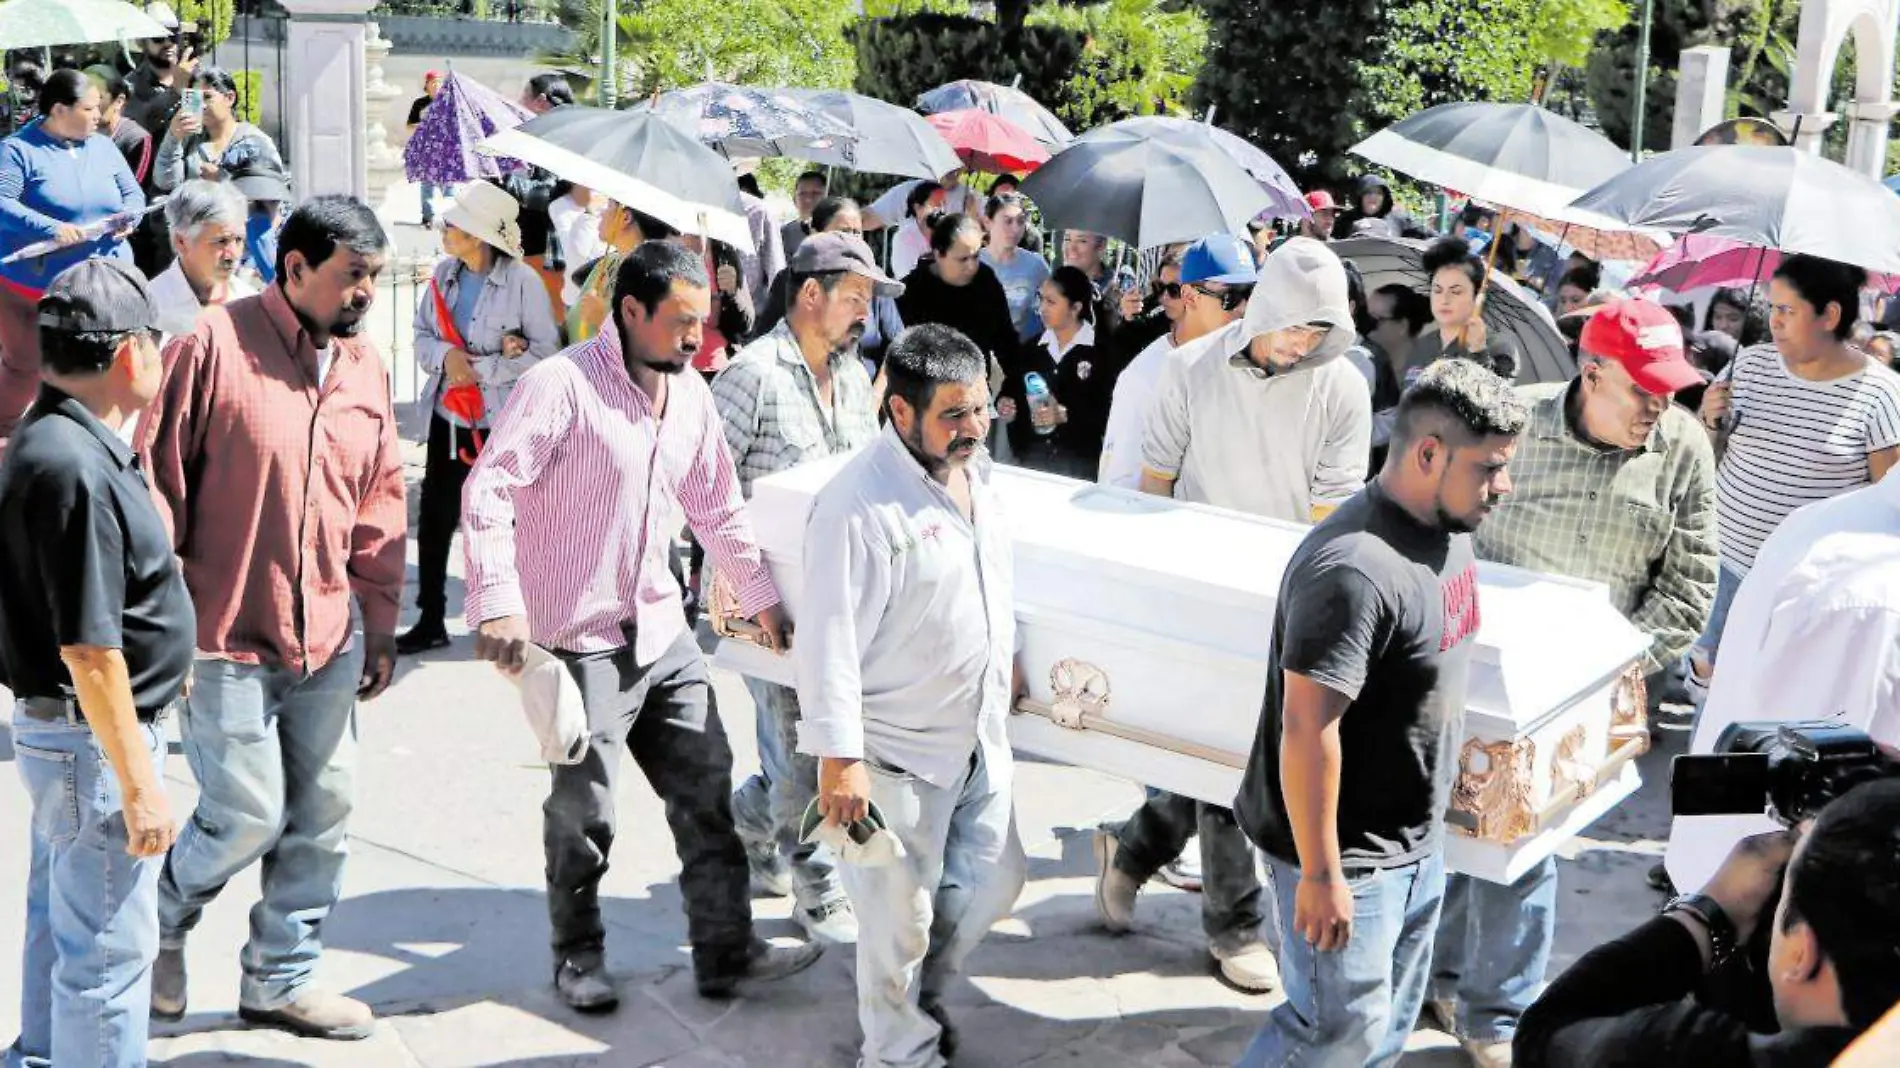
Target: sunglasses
1170,290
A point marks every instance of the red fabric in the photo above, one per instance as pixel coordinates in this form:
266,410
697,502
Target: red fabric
1643,337
463,402
1697,261
991,143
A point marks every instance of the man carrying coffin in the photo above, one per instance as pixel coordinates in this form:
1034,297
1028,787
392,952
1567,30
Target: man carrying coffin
906,637
1262,416
1614,484
1351,771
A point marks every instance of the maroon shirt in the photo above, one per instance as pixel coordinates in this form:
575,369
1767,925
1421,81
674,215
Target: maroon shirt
283,499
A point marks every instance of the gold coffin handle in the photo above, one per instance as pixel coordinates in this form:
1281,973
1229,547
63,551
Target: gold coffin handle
1089,721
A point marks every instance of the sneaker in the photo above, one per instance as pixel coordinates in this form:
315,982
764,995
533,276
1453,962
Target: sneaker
427,634
1489,1053
1247,963
168,985
584,985
831,921
764,964
1114,890
317,1014
1184,871
946,1034
771,876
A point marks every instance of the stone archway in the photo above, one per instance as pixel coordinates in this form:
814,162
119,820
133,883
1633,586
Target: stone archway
1824,28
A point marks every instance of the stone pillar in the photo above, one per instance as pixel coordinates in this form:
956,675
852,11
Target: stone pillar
382,161
324,92
1871,121
1701,93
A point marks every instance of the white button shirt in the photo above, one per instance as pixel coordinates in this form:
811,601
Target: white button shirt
906,627
1814,633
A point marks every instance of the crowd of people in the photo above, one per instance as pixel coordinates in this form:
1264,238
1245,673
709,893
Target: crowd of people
202,513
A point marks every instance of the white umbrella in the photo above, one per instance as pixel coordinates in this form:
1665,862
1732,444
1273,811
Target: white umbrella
48,23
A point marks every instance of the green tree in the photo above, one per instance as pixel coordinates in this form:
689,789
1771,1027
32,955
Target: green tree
1563,32
212,16
1759,33
1138,58
671,44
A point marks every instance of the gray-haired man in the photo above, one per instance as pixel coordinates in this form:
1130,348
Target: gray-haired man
207,227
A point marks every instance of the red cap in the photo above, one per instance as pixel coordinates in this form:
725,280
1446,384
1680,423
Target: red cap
1321,200
1647,340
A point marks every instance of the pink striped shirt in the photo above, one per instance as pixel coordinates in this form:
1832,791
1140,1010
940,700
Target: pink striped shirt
566,514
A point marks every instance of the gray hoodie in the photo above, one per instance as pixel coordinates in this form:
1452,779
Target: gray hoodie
1275,444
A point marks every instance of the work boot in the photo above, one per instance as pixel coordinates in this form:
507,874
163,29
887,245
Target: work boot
1246,962
584,985
830,920
317,1014
428,633
765,963
168,985
1114,890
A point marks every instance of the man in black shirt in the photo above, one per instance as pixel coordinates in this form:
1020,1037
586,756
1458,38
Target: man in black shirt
1832,963
1351,771
96,633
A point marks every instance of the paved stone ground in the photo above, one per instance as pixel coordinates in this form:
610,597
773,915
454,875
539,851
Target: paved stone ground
443,927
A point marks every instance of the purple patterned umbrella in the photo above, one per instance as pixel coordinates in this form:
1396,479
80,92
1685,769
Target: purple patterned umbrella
464,112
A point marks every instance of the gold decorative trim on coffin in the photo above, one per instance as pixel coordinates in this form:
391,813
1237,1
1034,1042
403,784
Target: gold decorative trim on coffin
1493,797
1080,695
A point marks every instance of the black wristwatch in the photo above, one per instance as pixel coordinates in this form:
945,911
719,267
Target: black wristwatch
1722,934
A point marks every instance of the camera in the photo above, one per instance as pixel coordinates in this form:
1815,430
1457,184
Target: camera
1788,770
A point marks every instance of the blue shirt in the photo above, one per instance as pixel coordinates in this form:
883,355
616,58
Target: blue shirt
260,243
468,294
47,182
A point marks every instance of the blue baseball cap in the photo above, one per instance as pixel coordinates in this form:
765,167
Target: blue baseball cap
1222,258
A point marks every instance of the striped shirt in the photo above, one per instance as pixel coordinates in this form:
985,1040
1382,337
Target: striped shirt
774,420
1796,442
1641,521
567,511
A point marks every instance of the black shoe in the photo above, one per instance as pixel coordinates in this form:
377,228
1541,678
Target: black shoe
764,963
1659,880
427,634
947,1035
585,986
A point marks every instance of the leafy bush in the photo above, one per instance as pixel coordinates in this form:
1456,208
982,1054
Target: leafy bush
250,88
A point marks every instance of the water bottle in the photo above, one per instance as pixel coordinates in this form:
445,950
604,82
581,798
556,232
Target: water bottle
1040,400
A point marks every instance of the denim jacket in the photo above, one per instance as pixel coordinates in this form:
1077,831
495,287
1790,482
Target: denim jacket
514,301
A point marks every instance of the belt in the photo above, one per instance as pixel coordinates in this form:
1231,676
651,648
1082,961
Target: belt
66,710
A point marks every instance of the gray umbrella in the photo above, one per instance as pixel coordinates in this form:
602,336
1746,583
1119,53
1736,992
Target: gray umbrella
1781,198
1288,201
1509,309
890,139
1146,185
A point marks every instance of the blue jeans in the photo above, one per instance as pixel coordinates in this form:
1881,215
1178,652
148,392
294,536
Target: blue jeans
1230,885
920,916
767,807
91,920
1493,947
1354,1006
274,753
1726,584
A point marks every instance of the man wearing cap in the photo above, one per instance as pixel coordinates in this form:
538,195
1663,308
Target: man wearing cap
1324,214
1217,274
206,220
796,395
1614,484
153,91
95,642
1263,416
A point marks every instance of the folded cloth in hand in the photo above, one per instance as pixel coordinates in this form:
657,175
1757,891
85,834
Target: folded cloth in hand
867,843
551,700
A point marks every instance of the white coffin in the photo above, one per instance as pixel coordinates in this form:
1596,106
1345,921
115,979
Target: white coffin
1145,625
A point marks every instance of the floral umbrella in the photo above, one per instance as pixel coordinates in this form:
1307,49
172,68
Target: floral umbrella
743,122
464,113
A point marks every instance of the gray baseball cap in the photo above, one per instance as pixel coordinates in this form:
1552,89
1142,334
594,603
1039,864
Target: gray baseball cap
824,253
98,297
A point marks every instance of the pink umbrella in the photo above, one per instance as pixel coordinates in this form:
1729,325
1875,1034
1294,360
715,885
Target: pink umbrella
1698,261
986,142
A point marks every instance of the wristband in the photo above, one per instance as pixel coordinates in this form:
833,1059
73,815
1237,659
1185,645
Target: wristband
1722,934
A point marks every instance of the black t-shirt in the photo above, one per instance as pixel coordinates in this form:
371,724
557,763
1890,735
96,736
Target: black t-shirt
85,560
1380,608
417,107
1500,355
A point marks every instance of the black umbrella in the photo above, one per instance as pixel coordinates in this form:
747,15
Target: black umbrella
1509,309
640,160
1780,198
1516,156
1148,186
1005,101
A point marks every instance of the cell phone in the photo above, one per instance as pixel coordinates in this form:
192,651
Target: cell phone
192,102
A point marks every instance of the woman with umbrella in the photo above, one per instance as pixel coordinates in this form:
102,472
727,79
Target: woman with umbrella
1798,421
1457,280
482,323
57,177
622,229
956,288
